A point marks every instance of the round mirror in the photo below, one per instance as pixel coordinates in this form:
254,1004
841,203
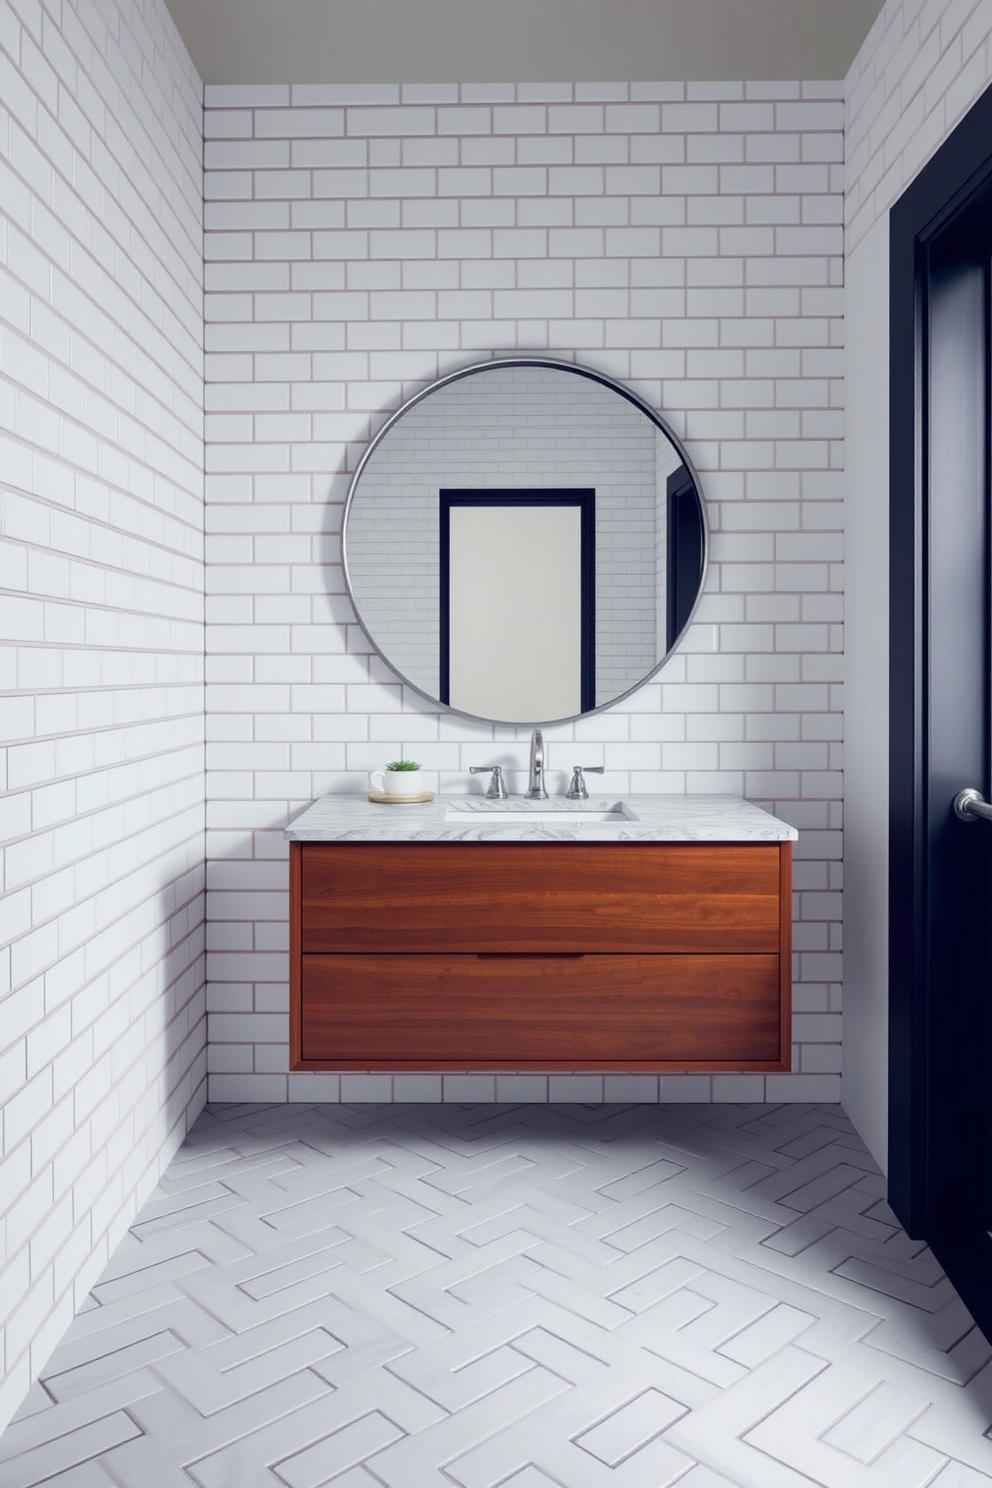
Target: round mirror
524,541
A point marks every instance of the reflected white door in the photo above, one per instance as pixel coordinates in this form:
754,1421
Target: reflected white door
515,598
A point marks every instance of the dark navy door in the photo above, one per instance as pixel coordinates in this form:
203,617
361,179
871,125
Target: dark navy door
940,945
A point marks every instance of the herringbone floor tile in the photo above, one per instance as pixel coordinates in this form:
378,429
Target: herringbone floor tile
515,1297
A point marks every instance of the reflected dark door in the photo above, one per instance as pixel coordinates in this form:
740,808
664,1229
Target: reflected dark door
685,552
941,865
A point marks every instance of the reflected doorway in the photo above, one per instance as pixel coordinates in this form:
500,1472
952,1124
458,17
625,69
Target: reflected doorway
686,545
517,603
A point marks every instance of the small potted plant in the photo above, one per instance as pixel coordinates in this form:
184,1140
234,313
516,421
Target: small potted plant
401,777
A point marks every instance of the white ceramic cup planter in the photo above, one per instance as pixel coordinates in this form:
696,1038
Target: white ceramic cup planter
396,782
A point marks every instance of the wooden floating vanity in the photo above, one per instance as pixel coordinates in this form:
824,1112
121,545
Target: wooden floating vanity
415,946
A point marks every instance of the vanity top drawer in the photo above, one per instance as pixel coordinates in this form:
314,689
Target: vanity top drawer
590,897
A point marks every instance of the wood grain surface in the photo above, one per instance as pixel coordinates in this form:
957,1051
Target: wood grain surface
553,1011
593,897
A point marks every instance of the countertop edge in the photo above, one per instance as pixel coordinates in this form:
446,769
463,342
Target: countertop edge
662,818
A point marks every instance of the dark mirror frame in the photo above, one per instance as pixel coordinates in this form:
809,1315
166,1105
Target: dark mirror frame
692,548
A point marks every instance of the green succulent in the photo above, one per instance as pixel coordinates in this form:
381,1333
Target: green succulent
402,764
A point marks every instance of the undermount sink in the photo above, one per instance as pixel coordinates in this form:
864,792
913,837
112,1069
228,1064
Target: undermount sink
543,813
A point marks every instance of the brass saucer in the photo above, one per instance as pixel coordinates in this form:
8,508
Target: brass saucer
381,799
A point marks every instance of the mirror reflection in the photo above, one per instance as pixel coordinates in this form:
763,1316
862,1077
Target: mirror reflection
524,542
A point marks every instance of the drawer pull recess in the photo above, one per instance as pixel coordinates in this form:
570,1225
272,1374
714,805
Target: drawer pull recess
530,955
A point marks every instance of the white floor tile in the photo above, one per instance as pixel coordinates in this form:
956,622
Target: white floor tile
425,1294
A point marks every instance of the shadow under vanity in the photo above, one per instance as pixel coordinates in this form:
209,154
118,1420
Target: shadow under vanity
525,541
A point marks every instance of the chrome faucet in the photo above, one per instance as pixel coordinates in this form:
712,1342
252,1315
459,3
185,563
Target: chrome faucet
535,787
497,788
578,790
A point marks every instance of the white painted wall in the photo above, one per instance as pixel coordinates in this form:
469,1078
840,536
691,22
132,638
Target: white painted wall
363,240
866,713
572,39
920,69
102,1023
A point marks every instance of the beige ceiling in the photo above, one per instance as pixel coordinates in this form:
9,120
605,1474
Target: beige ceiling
437,41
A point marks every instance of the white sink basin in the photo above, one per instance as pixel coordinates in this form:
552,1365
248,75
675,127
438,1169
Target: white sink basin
562,814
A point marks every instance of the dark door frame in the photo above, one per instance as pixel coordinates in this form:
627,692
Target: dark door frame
936,1053
584,498
685,545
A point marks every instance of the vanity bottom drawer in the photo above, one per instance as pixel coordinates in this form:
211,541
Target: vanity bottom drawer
547,1011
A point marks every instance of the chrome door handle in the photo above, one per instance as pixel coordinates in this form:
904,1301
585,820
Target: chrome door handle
970,804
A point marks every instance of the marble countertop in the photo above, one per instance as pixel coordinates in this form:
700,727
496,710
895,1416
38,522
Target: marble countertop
695,818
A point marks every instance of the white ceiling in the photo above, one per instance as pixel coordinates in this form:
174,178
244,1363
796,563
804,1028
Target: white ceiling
438,41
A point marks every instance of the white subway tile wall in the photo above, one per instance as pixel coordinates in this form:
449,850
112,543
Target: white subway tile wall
361,241
102,1026
686,239
919,71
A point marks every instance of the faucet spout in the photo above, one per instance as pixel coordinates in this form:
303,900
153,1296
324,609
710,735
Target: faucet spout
535,788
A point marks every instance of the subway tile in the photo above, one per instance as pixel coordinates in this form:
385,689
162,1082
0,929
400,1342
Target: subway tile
249,154
469,1088
521,1088
310,256
545,92
298,123
580,1089
487,151
392,122
637,1089
80,563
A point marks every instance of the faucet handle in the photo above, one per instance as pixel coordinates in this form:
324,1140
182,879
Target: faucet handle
578,791
497,790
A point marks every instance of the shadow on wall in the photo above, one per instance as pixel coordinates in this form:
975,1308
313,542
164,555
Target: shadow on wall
182,1005
143,1085
247,961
